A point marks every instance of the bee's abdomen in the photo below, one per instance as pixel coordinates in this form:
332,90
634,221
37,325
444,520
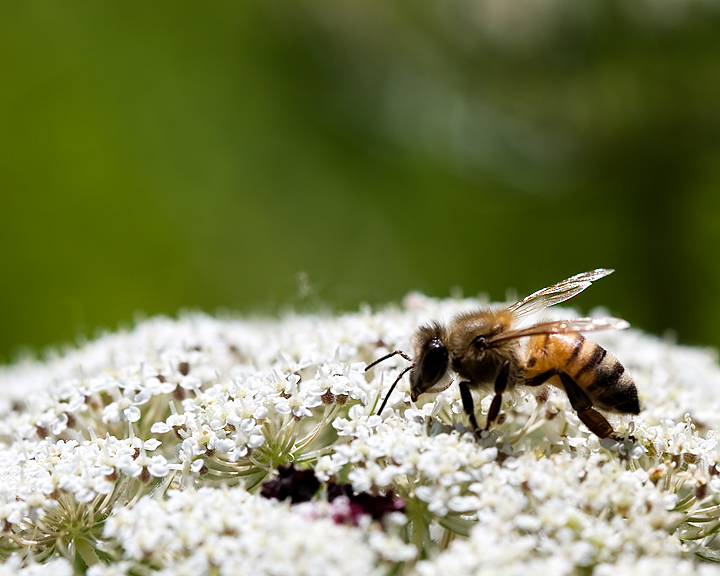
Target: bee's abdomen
613,388
601,375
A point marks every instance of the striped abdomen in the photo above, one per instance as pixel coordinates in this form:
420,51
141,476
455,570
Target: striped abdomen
594,369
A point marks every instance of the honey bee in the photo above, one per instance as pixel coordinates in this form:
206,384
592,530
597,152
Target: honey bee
488,350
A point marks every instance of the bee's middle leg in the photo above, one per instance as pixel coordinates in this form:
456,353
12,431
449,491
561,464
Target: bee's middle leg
500,386
468,404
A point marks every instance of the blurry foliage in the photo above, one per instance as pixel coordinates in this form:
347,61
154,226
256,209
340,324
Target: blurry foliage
320,154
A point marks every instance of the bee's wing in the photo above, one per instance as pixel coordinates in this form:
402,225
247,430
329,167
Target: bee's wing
556,293
561,327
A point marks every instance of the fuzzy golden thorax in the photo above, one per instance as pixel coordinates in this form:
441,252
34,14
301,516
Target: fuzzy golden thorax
470,357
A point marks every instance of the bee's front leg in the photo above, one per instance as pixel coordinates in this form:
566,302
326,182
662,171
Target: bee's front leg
500,386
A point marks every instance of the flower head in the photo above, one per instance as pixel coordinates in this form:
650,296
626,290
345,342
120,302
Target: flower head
151,450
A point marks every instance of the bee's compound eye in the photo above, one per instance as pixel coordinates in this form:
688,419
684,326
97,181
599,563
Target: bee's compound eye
432,366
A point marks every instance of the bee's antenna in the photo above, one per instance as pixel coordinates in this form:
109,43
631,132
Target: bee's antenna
395,353
388,356
382,406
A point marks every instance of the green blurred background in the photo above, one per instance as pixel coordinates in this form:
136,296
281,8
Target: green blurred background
320,154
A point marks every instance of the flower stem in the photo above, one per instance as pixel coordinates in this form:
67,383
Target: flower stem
86,552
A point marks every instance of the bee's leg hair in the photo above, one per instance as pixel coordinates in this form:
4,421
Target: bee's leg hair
468,404
500,385
581,403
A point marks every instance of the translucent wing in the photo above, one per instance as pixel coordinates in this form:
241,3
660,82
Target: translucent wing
556,293
561,327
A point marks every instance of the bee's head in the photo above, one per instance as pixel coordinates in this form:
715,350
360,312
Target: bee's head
431,359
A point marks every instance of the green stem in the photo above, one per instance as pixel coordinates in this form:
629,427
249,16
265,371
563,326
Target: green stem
87,552
416,513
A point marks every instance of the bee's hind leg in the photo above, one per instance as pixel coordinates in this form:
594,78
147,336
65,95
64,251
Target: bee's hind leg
581,403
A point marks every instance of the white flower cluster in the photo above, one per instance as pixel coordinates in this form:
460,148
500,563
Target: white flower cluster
413,455
566,513
144,451
56,567
233,532
256,418
32,474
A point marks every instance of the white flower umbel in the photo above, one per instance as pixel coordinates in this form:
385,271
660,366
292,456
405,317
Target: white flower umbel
232,532
144,451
